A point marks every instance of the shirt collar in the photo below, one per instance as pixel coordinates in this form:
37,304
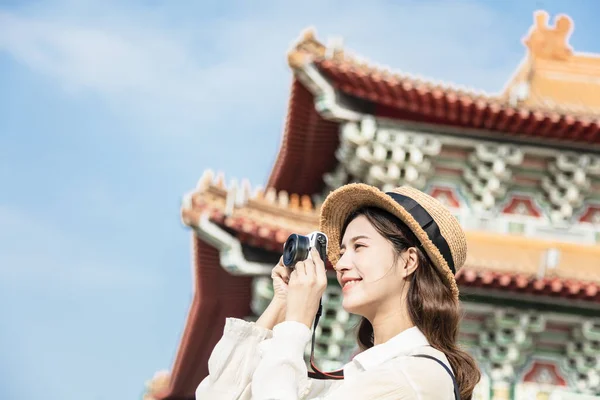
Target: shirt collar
400,345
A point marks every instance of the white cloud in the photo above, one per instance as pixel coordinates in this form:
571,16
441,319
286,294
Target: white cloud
36,254
231,70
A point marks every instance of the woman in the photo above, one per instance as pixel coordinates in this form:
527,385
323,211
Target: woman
395,255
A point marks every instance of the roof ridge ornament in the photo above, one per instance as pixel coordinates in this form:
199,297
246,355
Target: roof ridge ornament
305,48
335,48
550,42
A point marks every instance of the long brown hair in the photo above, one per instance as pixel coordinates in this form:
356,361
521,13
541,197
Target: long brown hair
431,305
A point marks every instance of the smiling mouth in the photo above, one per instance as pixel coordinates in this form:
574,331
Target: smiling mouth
350,284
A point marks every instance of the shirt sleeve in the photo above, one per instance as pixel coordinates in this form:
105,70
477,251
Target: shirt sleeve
281,373
233,361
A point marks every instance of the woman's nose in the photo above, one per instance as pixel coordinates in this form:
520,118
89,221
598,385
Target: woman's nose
341,265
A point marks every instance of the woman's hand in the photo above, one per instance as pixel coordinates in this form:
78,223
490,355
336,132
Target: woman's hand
281,276
275,312
306,286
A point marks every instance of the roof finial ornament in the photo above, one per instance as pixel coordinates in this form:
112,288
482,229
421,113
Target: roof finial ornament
548,42
308,34
303,51
335,48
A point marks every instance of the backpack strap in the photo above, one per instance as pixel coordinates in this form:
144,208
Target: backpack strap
456,391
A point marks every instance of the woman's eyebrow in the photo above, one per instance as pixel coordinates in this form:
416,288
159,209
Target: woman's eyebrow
354,239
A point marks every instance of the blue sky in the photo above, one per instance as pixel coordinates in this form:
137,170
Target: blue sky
109,113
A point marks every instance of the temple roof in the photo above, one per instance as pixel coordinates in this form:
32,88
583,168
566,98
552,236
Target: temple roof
265,220
534,105
553,110
554,77
308,49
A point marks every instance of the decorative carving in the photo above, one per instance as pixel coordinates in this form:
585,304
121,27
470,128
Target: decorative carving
307,47
591,214
446,196
550,42
583,357
504,344
544,372
521,205
488,174
385,158
567,183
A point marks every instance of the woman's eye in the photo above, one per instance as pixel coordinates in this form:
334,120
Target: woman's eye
357,245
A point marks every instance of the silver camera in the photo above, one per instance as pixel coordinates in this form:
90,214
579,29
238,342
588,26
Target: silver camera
297,247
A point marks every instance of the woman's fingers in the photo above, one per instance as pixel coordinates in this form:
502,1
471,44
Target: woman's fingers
281,272
310,268
305,270
310,272
320,272
300,268
280,262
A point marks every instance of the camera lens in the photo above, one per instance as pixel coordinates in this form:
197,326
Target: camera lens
295,249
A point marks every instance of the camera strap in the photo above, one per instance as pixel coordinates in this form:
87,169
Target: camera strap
318,374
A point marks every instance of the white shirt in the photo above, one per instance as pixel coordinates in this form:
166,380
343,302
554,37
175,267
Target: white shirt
253,363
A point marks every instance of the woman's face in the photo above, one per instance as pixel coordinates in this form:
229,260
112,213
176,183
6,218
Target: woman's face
368,270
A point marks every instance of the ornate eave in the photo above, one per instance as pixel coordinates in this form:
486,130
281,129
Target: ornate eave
494,176
534,266
402,96
330,86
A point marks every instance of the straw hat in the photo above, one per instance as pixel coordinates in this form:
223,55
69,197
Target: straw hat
439,232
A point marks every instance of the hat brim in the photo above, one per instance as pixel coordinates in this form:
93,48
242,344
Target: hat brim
341,203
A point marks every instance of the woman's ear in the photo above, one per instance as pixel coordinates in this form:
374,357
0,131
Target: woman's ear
411,257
